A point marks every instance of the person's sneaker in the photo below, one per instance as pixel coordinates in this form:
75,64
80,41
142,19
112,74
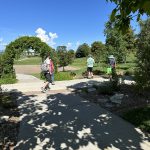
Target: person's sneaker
43,90
53,83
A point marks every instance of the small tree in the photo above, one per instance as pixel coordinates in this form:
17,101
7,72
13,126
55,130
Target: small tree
62,56
83,50
98,51
71,56
143,56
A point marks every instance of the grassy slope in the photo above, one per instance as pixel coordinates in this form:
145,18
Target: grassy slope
28,61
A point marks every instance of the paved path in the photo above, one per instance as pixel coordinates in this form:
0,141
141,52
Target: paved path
64,121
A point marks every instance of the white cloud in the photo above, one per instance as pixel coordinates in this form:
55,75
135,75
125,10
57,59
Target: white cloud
1,40
69,45
77,43
47,38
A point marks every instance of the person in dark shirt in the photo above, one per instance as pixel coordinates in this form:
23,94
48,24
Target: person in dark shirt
112,65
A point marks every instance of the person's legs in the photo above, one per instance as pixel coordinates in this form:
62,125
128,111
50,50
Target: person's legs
91,72
52,79
46,86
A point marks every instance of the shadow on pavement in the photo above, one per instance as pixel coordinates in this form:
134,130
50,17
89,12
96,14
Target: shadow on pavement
64,121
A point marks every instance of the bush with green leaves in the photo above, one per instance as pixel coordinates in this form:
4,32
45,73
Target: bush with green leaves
143,55
16,48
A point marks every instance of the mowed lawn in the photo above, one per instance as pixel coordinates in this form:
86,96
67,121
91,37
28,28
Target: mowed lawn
80,63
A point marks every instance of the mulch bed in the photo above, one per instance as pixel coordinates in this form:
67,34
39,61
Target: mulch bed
9,128
131,99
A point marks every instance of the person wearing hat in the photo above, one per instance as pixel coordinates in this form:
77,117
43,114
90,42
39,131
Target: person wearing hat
112,64
90,64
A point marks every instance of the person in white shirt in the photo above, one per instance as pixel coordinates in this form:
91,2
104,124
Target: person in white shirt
47,75
90,64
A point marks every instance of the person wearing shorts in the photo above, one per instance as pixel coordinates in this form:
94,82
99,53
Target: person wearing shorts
47,75
90,64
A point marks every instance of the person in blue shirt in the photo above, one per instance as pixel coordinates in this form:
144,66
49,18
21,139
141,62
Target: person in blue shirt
90,64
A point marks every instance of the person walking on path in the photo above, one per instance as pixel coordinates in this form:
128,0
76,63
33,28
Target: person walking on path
47,74
52,70
90,64
112,66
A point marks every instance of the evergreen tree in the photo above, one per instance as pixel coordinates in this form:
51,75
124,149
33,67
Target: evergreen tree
143,56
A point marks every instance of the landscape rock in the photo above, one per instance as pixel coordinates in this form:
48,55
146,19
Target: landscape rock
91,89
117,98
102,100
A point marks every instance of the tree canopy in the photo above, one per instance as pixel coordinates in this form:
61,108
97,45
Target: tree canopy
98,51
83,50
117,43
143,55
125,10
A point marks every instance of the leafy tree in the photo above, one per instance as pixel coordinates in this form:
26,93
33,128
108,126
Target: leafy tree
98,51
143,56
63,56
83,50
71,56
125,10
117,43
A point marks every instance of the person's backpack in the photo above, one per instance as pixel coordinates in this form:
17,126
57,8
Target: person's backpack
44,67
112,62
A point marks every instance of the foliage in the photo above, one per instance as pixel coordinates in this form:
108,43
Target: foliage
15,48
71,56
98,51
118,44
143,56
7,80
106,89
1,65
6,100
140,117
125,9
83,50
63,56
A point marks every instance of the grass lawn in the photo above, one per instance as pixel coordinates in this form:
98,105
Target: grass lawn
140,117
60,76
127,67
28,61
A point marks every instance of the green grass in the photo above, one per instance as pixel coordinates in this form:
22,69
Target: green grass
79,62
8,81
29,61
60,76
140,117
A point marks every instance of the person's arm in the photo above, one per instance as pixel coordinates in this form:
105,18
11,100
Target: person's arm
49,68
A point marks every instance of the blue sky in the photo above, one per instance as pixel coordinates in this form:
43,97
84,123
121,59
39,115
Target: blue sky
57,22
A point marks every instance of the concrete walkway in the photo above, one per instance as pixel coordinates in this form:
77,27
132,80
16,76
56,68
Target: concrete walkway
63,121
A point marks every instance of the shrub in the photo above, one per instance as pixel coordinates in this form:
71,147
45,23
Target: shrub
98,72
106,90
